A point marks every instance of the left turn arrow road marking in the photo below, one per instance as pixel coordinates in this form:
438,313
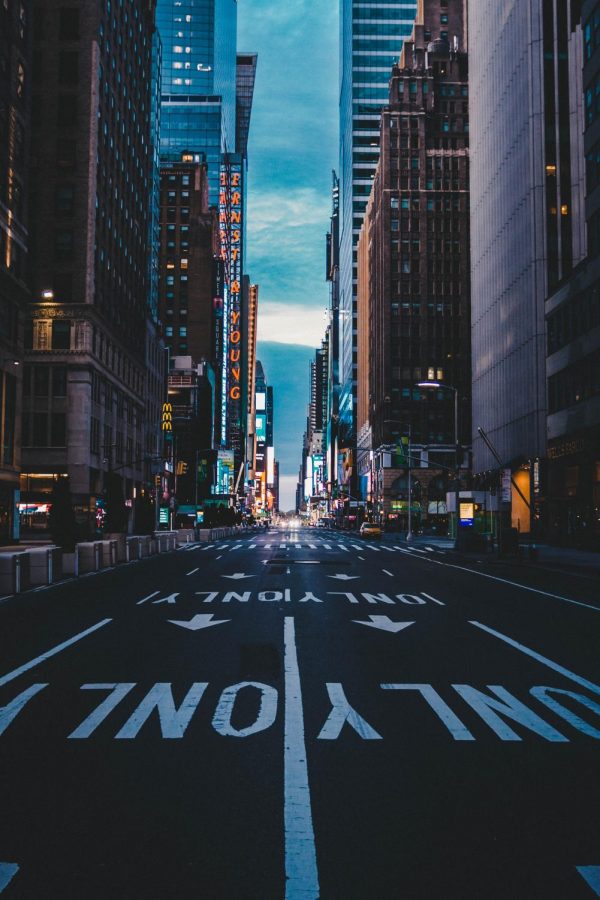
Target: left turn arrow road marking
199,621
384,623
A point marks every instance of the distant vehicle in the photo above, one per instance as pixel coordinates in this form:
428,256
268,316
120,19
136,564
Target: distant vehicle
370,530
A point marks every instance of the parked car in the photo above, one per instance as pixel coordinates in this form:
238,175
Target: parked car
370,530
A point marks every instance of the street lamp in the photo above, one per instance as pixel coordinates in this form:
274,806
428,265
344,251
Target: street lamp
437,385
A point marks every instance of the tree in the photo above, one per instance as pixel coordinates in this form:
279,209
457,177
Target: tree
116,513
62,524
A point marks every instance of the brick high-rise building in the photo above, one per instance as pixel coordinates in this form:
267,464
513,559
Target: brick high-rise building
417,268
93,380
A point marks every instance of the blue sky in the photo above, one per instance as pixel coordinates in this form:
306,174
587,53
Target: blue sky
292,149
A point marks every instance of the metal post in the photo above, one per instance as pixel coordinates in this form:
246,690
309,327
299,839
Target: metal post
409,534
457,461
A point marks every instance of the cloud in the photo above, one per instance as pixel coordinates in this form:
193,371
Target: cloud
291,323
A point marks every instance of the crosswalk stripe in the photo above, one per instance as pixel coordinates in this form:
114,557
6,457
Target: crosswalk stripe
328,546
343,547
313,546
389,549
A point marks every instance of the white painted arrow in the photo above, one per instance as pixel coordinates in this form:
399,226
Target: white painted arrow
7,873
384,623
199,621
344,577
238,576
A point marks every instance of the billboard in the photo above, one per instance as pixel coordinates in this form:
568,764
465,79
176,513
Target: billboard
261,428
261,401
344,466
270,466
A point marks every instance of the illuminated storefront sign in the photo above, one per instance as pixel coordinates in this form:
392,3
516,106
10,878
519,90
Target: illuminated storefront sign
167,417
261,401
230,230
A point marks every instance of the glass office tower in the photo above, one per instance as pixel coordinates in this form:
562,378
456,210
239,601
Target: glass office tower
198,110
371,38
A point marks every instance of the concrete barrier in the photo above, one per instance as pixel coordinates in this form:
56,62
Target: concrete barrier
14,572
89,556
109,553
45,565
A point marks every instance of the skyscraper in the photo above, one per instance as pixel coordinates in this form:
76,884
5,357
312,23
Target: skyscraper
199,80
525,236
371,38
92,378
15,91
413,274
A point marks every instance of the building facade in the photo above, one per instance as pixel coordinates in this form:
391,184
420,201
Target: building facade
15,104
571,482
371,38
199,81
413,280
94,372
526,227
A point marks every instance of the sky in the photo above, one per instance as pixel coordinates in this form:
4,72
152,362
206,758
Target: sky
293,148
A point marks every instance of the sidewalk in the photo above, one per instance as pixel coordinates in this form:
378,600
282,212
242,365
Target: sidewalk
564,559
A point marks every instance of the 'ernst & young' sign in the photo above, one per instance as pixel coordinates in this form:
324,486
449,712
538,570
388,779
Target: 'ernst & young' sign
230,229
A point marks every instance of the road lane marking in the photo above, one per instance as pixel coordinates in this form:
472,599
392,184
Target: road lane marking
523,587
385,572
10,676
149,597
302,880
591,874
384,623
589,685
220,557
193,572
7,873
362,557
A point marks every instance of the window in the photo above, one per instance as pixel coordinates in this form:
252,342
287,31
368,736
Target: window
58,430
63,243
95,435
39,436
40,381
59,381
63,199
61,334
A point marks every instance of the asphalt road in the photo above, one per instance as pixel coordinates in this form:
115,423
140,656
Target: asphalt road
301,715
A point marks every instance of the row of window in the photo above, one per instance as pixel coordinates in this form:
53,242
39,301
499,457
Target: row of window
592,101
591,32
44,429
575,384
574,318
